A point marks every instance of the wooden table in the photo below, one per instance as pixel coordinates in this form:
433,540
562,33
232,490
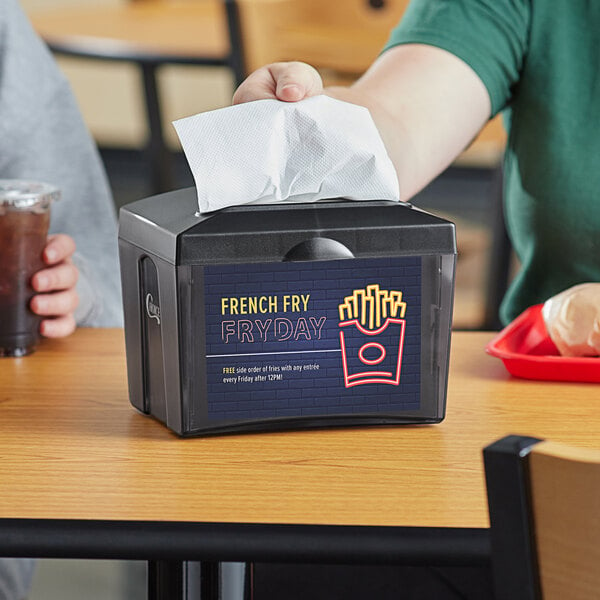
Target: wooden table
84,475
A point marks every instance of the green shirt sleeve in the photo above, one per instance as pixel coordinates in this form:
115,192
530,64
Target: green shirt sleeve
491,36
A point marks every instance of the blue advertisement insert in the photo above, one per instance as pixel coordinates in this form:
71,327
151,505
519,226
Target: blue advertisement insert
313,338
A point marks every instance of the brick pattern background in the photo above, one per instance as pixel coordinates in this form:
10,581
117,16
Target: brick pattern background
303,375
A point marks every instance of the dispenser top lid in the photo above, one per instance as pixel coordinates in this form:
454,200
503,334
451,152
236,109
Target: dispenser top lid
168,225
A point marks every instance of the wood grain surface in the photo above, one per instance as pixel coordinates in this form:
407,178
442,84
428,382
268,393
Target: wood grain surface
73,447
156,28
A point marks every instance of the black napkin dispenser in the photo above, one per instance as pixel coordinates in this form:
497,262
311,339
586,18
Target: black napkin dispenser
286,316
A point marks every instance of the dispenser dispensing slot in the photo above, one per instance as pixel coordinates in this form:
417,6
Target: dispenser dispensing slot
318,248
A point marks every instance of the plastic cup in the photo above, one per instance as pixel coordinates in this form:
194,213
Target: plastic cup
24,220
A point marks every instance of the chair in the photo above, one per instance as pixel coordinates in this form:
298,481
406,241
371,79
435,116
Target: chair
544,504
150,34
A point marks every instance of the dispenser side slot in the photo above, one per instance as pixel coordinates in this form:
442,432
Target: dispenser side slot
152,345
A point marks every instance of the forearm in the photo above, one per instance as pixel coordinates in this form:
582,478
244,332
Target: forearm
428,106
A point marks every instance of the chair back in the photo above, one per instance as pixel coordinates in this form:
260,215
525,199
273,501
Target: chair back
544,502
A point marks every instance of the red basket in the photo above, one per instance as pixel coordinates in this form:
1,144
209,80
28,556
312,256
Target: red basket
527,351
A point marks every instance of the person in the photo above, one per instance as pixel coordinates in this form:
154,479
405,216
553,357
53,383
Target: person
451,65
43,138
448,67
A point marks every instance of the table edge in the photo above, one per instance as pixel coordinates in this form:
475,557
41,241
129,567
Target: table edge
256,542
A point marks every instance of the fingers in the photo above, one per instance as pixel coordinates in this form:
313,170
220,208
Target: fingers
57,304
58,327
287,81
296,81
259,85
59,247
56,297
60,277
59,300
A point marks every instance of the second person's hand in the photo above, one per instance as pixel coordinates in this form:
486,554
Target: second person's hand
286,81
56,298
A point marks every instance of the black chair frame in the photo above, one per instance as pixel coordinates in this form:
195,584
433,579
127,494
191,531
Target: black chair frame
514,563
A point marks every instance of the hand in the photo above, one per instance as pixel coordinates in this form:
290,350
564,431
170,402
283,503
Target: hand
287,81
56,299
573,320
427,104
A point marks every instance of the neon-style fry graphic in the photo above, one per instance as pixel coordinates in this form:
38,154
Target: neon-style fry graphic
372,329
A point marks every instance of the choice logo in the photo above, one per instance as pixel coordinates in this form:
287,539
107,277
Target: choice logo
152,310
372,329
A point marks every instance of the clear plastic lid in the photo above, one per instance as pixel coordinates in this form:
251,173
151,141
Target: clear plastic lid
17,194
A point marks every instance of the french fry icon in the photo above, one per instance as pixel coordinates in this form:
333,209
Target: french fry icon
372,329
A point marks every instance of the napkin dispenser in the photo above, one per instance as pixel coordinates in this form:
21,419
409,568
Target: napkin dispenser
286,316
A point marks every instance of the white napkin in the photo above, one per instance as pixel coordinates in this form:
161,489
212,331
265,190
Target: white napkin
271,151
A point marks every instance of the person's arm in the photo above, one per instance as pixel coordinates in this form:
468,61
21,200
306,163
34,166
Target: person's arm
43,137
427,104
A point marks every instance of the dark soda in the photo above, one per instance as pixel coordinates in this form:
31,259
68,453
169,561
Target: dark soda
23,233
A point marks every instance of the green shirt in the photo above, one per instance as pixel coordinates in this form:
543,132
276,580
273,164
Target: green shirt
540,61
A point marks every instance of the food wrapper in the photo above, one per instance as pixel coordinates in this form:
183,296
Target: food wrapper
572,319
